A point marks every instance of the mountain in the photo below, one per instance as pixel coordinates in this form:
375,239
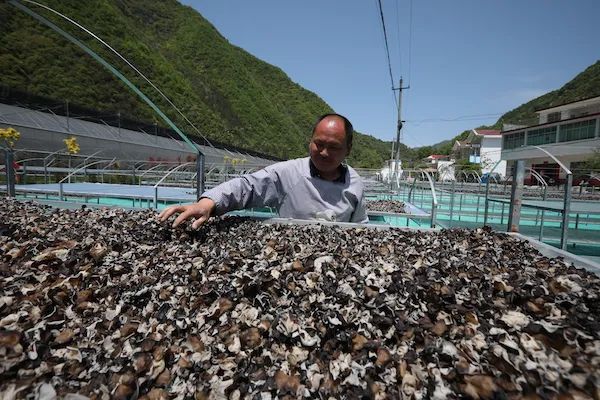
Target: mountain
583,86
230,95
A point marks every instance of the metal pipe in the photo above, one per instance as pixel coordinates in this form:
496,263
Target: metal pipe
107,65
566,209
516,197
544,196
452,202
487,192
148,170
10,172
200,181
434,201
411,189
88,157
163,178
60,183
567,199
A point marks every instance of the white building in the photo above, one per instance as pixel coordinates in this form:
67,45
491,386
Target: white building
445,171
389,171
485,149
433,159
571,132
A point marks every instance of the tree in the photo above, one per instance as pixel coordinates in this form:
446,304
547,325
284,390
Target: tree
466,165
593,162
424,151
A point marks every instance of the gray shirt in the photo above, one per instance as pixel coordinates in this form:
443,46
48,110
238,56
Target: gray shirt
294,192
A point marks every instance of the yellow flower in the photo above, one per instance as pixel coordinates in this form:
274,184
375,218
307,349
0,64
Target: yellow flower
72,146
9,136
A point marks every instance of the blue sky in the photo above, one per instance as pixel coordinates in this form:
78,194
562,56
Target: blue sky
471,60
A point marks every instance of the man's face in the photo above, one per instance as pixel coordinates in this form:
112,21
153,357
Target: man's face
328,146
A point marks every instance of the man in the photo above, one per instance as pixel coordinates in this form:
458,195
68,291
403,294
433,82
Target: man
315,187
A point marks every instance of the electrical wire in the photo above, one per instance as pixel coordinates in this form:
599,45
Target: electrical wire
410,32
398,33
387,49
474,117
126,61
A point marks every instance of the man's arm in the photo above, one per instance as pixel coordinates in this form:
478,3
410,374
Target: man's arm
259,189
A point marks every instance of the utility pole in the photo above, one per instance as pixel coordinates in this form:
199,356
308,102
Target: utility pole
391,163
399,127
68,125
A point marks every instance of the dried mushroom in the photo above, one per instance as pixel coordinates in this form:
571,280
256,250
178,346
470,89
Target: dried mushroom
109,303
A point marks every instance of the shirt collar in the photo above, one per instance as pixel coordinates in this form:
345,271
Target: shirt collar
314,172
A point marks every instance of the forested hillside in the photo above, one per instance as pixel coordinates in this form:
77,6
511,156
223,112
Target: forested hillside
231,96
583,86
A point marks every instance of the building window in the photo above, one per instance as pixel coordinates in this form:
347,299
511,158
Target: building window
537,137
553,117
579,112
513,140
577,131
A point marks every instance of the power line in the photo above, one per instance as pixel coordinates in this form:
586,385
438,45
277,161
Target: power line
126,61
410,30
387,48
399,41
474,117
398,33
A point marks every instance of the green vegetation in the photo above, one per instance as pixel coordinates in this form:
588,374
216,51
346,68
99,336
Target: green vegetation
230,95
466,165
583,86
593,162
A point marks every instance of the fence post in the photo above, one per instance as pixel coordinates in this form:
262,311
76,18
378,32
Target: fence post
544,197
516,196
199,175
487,193
452,202
9,159
566,209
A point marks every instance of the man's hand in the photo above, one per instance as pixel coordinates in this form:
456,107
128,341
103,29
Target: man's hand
200,210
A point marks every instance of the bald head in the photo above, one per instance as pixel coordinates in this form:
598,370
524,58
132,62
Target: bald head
334,120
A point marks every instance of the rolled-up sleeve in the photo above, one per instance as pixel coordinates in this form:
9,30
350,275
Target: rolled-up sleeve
259,189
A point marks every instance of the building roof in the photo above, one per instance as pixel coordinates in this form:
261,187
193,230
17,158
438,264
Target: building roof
24,117
578,103
562,121
487,132
437,156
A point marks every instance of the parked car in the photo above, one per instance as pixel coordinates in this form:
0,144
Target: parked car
550,180
587,180
494,177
